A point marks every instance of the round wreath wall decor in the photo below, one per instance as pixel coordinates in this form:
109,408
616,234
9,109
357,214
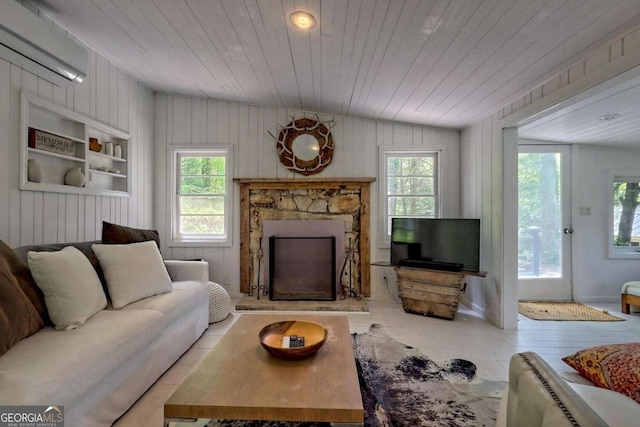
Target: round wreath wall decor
305,146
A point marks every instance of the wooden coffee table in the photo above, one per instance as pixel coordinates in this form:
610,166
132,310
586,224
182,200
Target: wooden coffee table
239,380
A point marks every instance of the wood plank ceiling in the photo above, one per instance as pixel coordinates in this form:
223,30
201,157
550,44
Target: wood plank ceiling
606,114
438,62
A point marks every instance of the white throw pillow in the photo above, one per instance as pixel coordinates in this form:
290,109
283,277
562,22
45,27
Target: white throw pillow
133,272
71,287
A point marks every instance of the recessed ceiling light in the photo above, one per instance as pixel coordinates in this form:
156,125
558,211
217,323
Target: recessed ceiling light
303,20
609,116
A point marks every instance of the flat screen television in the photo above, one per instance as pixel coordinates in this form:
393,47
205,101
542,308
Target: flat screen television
436,243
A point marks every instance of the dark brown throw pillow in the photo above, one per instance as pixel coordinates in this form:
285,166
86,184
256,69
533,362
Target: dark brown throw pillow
114,234
18,317
20,270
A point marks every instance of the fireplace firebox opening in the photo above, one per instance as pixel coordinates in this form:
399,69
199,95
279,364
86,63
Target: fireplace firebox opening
302,268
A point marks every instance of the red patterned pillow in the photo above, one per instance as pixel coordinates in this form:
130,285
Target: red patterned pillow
614,366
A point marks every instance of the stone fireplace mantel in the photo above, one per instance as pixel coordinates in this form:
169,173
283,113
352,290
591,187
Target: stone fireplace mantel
304,198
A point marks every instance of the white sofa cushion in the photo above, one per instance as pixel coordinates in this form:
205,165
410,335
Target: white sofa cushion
631,288
72,290
614,408
61,368
133,271
186,296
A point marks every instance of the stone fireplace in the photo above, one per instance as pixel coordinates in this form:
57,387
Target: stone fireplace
346,201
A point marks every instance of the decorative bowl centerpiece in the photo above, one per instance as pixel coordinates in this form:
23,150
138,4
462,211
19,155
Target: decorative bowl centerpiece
292,339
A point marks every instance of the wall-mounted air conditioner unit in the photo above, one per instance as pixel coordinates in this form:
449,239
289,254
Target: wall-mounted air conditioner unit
32,43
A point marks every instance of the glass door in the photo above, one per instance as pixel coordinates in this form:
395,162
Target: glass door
544,228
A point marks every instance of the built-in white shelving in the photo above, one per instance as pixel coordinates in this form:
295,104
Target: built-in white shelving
105,173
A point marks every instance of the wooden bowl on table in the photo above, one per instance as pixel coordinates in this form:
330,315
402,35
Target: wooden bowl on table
273,335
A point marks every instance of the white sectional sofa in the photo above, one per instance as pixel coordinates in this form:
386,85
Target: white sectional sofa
99,370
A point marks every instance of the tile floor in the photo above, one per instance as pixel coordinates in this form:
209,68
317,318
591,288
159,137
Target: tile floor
468,337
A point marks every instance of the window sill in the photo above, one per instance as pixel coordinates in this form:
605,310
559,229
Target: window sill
200,244
617,254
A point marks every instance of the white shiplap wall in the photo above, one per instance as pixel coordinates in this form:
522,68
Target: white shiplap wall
187,120
489,162
108,95
482,174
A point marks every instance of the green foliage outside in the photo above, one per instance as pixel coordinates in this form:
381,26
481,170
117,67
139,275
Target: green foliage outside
411,186
202,165
202,190
202,224
626,197
539,205
202,175
190,205
202,185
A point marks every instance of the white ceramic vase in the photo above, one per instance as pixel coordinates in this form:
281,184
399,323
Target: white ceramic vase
34,171
75,177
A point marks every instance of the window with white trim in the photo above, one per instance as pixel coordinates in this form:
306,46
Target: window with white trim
624,223
200,192
409,188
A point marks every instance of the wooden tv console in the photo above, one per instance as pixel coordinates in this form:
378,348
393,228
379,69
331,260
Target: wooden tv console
434,293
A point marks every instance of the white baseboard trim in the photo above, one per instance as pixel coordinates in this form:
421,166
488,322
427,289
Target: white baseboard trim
481,311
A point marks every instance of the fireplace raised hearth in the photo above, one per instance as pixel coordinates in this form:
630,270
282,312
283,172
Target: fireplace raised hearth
302,268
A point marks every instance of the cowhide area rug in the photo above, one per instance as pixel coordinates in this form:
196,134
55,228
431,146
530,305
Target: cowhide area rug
402,387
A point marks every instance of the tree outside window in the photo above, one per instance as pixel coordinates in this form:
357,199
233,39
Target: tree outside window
200,196
626,220
539,214
411,186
